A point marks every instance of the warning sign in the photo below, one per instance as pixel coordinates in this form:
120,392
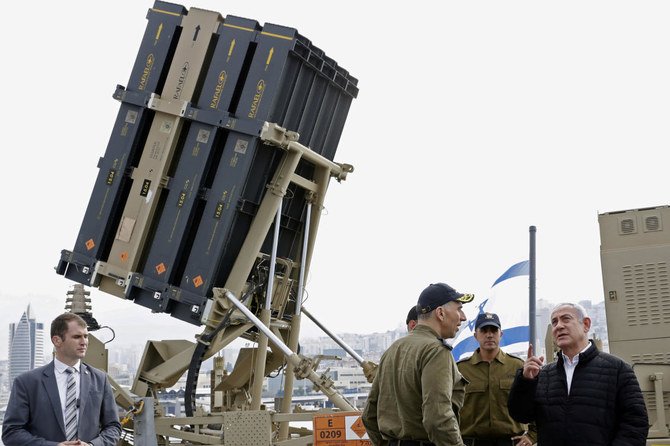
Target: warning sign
160,268
340,429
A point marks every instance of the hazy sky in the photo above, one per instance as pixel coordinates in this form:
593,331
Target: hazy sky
474,121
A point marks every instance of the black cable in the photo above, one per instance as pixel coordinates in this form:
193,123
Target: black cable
197,358
113,333
278,371
91,323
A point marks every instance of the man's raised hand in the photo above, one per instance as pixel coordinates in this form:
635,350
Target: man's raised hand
533,364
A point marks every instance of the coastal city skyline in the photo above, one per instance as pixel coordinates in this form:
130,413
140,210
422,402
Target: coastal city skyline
308,330
347,375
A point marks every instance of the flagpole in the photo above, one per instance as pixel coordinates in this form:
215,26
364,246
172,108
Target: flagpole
531,290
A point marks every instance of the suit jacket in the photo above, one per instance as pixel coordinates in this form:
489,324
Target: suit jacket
34,415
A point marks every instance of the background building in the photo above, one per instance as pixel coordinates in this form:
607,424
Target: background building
26,345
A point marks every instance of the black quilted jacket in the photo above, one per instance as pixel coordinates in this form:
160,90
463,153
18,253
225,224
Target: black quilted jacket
605,405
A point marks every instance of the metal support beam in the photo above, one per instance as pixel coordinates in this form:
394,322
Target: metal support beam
301,365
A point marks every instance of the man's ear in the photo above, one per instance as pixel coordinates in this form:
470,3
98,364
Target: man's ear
440,315
587,324
56,340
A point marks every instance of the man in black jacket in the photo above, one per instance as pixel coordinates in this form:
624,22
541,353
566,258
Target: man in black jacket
586,397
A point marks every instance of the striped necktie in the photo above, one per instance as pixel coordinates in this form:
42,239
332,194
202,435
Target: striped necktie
70,406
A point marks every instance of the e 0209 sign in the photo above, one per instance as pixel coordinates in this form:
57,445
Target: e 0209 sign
340,429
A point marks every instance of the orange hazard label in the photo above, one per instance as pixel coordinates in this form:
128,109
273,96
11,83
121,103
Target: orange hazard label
160,268
124,256
340,429
358,428
197,281
90,244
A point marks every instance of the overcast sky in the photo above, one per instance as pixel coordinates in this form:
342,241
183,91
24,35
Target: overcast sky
474,121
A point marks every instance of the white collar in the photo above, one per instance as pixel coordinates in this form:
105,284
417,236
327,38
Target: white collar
569,360
60,366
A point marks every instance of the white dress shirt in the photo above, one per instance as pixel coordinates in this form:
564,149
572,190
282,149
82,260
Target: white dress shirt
61,379
570,364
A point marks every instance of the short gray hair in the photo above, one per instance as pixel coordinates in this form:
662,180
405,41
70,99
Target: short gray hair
426,316
579,309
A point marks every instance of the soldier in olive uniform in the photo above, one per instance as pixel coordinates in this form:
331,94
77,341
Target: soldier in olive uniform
418,390
490,372
412,318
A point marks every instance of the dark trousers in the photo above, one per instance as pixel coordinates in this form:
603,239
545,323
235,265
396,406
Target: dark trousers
488,441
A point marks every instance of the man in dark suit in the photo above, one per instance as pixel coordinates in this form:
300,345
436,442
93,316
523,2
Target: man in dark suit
66,402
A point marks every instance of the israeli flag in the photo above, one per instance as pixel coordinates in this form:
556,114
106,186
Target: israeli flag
509,300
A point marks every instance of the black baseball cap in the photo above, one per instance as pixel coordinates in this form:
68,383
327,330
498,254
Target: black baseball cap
486,319
437,294
412,315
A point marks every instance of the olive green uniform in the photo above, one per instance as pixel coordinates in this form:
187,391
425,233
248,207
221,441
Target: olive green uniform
416,393
485,414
